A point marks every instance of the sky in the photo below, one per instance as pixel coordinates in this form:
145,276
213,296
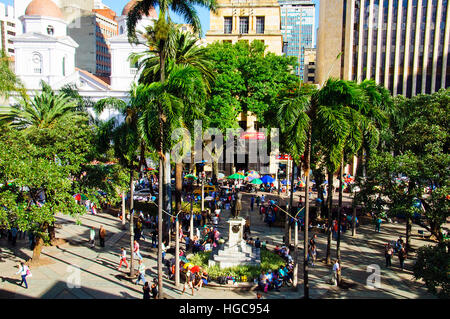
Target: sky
117,6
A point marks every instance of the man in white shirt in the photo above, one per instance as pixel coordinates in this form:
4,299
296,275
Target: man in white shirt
215,220
336,272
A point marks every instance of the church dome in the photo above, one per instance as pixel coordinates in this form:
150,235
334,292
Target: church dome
44,8
130,5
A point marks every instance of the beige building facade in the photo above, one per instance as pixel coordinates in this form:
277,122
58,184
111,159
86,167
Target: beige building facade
407,60
247,20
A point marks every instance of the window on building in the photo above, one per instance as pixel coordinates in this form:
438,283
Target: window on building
50,30
64,66
37,63
227,25
260,25
243,25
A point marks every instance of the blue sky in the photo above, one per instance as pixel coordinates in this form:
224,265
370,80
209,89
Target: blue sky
117,6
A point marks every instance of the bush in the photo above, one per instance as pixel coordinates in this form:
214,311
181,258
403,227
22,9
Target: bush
269,261
432,266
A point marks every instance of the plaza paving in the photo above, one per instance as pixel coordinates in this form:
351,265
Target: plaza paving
99,277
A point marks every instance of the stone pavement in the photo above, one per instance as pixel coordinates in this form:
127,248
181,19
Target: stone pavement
96,268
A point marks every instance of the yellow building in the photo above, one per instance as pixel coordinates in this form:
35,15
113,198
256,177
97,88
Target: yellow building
247,20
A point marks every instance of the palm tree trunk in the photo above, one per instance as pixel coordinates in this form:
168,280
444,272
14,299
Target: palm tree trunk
291,201
287,236
306,219
191,221
341,177
123,210
330,215
177,251
162,60
131,223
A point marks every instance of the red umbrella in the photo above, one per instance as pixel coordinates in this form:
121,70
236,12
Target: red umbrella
77,196
195,269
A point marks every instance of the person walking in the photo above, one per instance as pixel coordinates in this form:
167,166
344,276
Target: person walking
388,252
258,201
102,235
377,224
189,278
146,290
92,237
141,272
136,252
313,254
123,258
24,271
402,257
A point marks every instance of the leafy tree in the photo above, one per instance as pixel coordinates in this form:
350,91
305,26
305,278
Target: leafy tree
248,80
35,187
412,170
432,265
8,80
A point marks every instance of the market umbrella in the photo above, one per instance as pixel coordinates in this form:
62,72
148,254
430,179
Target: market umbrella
236,176
190,176
209,198
220,175
267,179
195,269
301,184
284,182
256,181
77,196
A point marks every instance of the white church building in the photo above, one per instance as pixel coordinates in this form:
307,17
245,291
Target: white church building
44,51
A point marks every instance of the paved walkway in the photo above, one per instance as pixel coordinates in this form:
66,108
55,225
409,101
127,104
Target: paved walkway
99,278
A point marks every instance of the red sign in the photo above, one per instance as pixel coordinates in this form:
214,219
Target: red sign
253,136
284,157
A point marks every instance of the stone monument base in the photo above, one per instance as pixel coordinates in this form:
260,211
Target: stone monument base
236,251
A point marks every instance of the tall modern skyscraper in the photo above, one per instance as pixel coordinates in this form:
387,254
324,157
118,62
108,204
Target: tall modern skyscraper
297,28
401,44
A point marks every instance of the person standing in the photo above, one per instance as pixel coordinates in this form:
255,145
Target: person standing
163,249
14,232
377,224
146,290
388,252
155,289
123,258
252,202
258,201
136,251
102,235
402,257
92,237
141,272
336,273
24,271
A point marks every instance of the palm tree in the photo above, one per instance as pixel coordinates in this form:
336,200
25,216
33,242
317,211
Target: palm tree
295,124
42,111
127,142
160,34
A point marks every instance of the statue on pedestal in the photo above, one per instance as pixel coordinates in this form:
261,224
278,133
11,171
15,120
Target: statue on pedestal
237,205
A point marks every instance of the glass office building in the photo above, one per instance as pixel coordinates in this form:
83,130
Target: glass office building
297,28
